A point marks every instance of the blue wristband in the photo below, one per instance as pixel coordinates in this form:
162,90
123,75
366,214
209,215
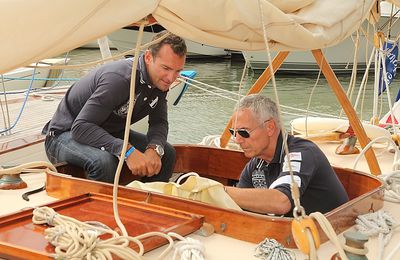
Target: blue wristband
129,152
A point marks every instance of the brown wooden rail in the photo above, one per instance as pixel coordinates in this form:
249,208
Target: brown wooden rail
364,190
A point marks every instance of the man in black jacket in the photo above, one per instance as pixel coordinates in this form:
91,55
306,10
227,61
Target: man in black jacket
87,128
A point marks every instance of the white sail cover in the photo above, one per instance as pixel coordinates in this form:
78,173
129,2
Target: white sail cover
34,30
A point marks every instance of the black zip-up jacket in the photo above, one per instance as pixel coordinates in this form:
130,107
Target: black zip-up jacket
94,109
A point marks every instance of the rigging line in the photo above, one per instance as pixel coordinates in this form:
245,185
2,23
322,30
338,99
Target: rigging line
127,128
353,78
364,80
5,113
23,105
389,99
208,85
294,188
55,84
94,63
36,90
309,100
42,79
239,90
389,20
283,106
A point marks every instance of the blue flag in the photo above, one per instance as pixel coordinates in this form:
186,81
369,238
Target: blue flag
391,65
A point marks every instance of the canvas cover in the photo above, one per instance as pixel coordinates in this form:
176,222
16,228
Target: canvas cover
194,188
34,30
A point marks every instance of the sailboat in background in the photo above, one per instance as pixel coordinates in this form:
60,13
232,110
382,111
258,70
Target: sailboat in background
340,56
19,79
309,25
124,39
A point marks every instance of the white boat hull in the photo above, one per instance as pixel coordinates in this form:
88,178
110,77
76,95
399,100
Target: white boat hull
125,39
19,79
340,56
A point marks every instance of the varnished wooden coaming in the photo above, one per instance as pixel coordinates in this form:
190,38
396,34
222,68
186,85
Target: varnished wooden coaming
365,192
21,239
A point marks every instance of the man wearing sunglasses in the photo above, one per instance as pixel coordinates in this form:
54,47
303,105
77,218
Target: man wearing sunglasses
264,184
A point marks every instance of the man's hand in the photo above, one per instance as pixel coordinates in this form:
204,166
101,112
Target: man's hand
144,164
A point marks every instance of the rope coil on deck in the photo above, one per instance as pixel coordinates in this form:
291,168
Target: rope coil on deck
187,248
270,249
380,224
74,239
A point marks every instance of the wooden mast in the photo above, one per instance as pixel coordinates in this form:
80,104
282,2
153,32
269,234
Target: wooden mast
348,109
256,88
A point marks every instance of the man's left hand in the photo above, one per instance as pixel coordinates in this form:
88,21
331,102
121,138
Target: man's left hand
153,162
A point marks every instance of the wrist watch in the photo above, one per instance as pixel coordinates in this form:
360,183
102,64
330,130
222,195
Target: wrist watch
158,148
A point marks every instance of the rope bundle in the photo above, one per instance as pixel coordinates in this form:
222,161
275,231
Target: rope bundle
78,240
392,186
380,224
187,248
270,249
74,239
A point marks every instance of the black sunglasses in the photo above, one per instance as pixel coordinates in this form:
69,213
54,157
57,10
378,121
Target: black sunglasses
244,132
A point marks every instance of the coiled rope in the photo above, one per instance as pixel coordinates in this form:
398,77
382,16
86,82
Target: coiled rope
27,167
380,224
270,249
74,239
187,248
392,186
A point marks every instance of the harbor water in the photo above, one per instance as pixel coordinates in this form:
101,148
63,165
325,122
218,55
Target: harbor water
205,110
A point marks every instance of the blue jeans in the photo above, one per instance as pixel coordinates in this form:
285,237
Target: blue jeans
101,165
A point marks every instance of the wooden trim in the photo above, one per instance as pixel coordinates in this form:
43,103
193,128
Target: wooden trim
86,207
21,143
365,190
259,85
348,109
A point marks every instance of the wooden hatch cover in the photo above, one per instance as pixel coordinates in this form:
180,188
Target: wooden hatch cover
21,239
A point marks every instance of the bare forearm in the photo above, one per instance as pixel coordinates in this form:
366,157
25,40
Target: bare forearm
260,200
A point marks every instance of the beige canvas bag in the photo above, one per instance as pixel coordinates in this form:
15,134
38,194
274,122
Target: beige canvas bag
194,188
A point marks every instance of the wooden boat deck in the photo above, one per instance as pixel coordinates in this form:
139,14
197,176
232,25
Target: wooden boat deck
218,246
39,108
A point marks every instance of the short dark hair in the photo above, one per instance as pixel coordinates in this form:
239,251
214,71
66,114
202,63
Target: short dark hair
177,44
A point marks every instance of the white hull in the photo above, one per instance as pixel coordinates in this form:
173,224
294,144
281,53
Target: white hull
19,79
125,39
340,56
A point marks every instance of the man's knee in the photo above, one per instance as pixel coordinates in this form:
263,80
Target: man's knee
170,152
102,168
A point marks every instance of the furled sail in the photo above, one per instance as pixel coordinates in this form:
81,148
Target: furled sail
33,30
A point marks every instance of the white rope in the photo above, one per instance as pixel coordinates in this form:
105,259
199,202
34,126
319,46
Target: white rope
270,249
379,223
74,239
395,165
330,233
26,167
187,248
305,111
392,186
